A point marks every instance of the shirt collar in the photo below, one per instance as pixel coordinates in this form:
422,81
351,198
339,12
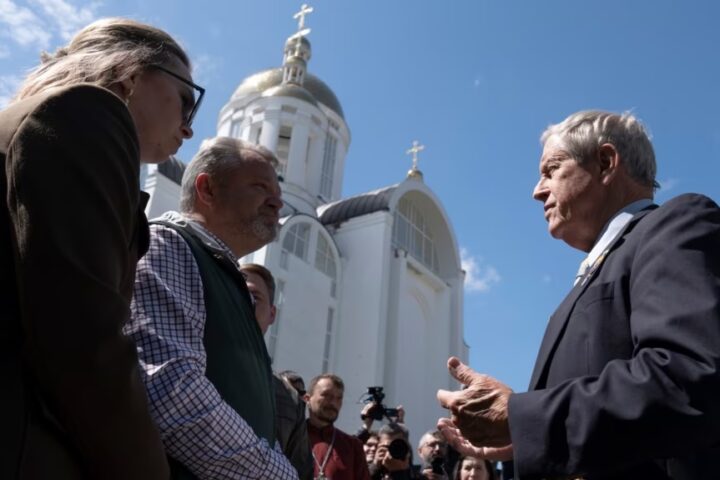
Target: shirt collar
615,226
209,239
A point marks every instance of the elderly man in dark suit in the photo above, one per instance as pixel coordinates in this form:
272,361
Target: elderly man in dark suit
627,381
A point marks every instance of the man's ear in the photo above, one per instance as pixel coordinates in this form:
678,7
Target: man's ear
273,311
205,189
609,161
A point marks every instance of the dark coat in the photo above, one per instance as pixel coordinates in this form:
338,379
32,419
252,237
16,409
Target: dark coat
71,231
627,381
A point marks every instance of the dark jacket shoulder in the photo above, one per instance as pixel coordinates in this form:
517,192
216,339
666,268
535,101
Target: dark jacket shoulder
90,107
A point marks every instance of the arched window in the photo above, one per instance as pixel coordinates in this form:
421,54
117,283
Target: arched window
324,259
411,232
296,240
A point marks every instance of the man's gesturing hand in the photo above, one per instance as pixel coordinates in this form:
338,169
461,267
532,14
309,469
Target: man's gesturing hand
480,410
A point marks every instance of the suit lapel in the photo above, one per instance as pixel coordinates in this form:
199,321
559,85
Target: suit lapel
559,319
554,331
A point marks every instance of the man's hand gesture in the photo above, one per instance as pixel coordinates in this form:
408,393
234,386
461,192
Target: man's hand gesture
478,424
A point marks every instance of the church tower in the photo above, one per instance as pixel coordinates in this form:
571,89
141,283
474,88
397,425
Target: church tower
369,287
298,117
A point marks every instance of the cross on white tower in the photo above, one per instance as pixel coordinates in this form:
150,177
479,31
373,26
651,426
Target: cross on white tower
416,148
300,16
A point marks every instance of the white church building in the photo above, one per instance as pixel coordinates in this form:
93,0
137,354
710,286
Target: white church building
368,287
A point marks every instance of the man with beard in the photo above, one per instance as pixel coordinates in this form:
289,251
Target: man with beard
201,350
337,455
433,450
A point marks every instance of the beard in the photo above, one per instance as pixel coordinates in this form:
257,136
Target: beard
264,228
327,415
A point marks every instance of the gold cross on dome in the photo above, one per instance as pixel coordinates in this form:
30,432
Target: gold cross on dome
416,148
300,16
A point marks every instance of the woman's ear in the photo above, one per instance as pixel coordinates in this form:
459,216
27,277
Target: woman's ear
125,88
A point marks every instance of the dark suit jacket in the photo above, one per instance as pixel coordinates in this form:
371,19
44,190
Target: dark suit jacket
71,231
627,381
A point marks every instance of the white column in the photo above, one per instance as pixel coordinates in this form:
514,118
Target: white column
245,134
270,130
314,161
298,152
340,153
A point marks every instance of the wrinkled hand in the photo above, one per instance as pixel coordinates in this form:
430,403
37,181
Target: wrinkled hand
401,414
365,415
465,448
480,411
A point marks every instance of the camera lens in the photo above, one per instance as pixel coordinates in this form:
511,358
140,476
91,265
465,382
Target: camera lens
398,449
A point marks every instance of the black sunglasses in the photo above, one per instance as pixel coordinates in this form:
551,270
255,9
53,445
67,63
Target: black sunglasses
201,93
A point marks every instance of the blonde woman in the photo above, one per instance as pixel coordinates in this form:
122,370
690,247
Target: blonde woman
71,231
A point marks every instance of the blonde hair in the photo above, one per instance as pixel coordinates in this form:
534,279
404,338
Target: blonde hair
104,53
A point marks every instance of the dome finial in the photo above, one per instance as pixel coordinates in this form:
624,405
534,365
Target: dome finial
297,50
300,16
415,173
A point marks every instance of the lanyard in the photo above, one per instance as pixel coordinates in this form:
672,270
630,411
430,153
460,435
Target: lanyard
321,467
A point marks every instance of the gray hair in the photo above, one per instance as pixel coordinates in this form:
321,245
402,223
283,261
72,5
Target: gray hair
436,434
104,53
217,157
582,133
392,429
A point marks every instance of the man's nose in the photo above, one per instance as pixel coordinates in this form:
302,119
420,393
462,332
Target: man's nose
275,201
187,132
540,192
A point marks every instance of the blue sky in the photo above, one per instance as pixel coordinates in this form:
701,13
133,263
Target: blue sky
476,82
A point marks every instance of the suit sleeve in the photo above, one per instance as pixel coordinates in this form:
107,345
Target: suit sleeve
665,400
73,192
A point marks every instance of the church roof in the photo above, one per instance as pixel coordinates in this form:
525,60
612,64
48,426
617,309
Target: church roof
356,206
262,82
173,169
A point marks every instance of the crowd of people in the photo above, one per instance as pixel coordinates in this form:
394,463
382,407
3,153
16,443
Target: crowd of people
135,350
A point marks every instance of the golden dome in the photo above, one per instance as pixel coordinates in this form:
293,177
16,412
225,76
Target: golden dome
262,83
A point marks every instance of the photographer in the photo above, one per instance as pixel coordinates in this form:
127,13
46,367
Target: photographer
433,450
375,410
393,456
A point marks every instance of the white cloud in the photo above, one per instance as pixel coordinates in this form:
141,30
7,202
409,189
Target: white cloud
668,184
40,21
23,26
68,18
204,68
479,81
477,278
8,86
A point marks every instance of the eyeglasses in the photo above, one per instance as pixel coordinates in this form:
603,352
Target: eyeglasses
189,110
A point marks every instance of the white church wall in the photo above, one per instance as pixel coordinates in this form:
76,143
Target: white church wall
164,193
417,350
360,356
303,309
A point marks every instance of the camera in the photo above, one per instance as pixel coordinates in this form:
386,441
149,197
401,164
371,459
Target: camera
437,465
378,410
399,449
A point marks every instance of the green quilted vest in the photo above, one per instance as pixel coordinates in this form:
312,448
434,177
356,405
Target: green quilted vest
238,364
